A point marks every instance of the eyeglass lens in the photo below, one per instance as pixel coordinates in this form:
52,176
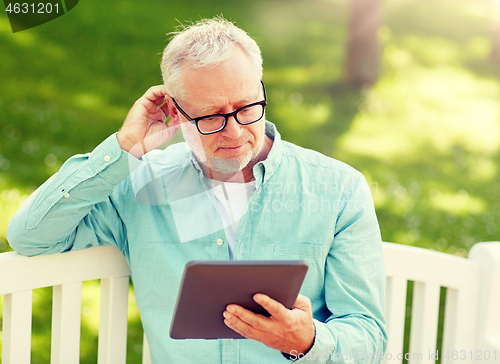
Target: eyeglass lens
247,115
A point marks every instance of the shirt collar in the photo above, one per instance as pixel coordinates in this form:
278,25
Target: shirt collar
263,170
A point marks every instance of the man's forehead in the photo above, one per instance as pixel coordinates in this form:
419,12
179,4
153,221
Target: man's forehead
234,80
237,95
216,105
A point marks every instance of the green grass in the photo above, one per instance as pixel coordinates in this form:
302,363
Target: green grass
426,136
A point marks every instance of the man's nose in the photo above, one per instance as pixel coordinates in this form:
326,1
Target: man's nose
233,130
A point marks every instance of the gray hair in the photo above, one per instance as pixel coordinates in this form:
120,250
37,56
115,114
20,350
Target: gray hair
204,44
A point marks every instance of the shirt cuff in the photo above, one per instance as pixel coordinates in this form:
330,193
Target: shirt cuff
323,347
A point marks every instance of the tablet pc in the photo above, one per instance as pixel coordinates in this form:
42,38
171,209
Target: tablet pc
207,287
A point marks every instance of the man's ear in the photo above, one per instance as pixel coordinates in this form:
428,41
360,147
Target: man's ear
172,111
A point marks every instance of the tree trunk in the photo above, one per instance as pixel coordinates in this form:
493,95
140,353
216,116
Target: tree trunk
363,59
495,50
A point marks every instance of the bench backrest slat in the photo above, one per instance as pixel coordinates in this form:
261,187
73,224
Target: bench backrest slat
395,307
113,321
460,323
146,355
17,309
66,323
424,319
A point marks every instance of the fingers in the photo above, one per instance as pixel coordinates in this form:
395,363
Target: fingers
164,106
275,309
244,323
155,101
152,108
245,315
156,94
160,97
239,318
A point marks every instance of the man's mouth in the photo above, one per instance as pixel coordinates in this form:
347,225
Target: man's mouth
233,149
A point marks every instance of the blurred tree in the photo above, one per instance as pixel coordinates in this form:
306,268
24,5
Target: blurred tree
363,53
495,51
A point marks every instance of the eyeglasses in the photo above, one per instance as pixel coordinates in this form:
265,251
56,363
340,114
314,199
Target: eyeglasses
210,124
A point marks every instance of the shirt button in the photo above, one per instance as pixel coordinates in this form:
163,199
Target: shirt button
107,158
220,242
66,195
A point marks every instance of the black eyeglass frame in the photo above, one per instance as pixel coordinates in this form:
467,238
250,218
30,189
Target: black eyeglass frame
225,116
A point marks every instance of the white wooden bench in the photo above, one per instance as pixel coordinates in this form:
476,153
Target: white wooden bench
472,315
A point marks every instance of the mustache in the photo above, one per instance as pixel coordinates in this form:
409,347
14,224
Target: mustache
230,144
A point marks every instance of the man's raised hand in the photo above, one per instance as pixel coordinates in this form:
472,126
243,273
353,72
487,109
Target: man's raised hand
144,128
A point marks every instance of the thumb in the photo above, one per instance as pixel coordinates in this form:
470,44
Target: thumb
303,303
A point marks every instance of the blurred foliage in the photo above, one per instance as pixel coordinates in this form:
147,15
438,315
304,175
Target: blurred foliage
426,136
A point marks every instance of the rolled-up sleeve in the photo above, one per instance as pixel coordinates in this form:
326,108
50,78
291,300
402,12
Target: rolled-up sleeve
71,210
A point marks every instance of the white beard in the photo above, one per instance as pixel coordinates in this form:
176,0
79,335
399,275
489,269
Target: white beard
218,164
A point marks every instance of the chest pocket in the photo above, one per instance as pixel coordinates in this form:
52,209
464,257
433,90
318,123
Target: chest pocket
315,255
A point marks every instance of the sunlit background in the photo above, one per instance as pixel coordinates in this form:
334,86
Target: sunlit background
420,118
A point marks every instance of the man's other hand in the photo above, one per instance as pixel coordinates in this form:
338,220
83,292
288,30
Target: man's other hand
144,129
286,330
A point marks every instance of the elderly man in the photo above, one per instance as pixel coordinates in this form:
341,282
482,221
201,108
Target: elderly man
234,190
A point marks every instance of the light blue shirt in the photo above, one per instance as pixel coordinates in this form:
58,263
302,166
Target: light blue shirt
160,212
